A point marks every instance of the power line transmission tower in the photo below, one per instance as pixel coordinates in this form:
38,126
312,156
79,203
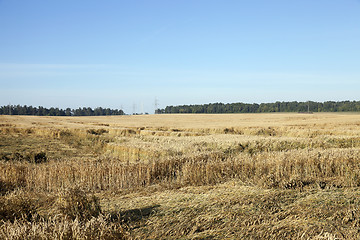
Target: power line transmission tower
134,108
156,105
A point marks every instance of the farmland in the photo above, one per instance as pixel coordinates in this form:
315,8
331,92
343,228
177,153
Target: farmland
229,176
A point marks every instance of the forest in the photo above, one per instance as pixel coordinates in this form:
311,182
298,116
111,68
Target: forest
42,111
310,106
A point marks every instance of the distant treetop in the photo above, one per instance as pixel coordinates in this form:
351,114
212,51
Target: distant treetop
41,111
310,106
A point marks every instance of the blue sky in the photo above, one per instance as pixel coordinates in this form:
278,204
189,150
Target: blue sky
127,53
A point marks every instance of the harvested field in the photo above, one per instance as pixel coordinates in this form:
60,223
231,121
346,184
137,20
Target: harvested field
229,176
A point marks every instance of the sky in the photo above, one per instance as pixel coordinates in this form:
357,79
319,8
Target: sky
125,54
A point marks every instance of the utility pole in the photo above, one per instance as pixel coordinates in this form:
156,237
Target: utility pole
134,108
156,105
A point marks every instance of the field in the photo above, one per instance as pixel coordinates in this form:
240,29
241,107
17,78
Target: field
229,176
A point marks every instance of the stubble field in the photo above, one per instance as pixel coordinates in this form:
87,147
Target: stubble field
229,176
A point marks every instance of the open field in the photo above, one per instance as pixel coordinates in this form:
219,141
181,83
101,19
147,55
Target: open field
229,176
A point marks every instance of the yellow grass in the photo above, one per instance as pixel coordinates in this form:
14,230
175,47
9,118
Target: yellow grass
235,176
187,121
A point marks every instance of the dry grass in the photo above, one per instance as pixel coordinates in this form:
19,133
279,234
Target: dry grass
236,176
235,211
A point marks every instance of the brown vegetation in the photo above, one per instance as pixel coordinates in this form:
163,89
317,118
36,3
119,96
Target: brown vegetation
250,176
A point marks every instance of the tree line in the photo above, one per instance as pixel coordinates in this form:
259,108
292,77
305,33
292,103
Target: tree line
42,111
310,106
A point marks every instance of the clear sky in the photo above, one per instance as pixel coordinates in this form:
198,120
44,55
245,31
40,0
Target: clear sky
125,54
